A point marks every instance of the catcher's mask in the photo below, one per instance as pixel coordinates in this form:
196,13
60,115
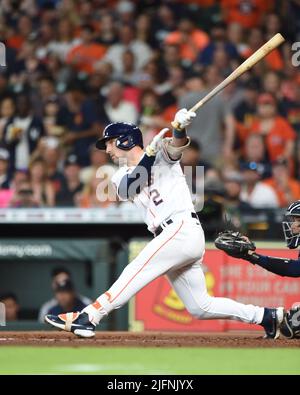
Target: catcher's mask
289,225
127,136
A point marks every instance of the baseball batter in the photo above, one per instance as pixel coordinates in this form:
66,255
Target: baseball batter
153,180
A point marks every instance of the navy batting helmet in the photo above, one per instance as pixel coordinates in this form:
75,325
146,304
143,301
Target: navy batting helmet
127,136
292,239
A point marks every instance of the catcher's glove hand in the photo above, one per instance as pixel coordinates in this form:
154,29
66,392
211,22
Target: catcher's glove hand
234,244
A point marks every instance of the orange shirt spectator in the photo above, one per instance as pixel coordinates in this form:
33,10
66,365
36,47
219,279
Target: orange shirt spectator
83,57
248,13
189,39
293,188
276,138
169,113
287,188
279,136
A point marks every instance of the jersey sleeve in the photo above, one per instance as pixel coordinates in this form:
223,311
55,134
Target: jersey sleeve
280,266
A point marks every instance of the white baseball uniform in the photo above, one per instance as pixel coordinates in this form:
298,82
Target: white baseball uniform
177,251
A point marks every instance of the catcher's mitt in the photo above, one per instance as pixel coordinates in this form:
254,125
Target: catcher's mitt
234,244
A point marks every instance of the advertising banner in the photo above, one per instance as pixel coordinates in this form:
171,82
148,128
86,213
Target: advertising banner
157,307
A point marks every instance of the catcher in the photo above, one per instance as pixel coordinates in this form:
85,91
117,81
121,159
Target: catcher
239,246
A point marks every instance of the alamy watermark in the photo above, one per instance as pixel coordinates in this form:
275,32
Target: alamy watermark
131,184
2,314
2,55
296,54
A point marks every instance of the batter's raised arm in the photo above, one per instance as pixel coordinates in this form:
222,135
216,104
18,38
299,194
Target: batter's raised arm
180,140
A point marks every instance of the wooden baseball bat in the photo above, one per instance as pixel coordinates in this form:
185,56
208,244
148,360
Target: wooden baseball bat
263,51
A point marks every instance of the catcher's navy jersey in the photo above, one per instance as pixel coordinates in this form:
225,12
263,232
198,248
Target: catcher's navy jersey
280,266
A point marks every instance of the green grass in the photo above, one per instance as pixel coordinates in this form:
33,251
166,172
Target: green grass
61,360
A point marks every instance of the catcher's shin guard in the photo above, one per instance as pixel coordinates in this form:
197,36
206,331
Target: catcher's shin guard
78,323
271,322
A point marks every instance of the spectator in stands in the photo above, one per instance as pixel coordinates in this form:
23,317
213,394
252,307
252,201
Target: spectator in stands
65,40
19,176
71,184
80,118
7,109
12,306
22,133
117,109
45,90
50,150
60,276
144,30
272,24
164,22
6,191
23,196
290,104
125,10
235,36
218,41
207,128
128,75
51,118
171,56
254,192
190,39
98,159
66,298
246,12
278,134
195,169
286,187
107,35
127,41
84,56
255,151
4,162
192,156
43,189
234,207
245,111
99,191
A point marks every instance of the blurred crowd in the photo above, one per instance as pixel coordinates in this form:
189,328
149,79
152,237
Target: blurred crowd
72,67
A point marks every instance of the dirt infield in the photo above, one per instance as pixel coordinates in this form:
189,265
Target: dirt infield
145,339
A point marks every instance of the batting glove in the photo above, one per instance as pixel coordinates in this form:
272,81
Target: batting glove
152,148
184,118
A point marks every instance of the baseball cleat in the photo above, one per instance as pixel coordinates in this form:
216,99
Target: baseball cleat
271,322
78,323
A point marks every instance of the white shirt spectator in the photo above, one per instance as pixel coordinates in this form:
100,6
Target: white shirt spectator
262,196
22,149
114,56
61,48
124,112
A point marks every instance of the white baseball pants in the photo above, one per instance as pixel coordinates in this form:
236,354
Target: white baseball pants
177,252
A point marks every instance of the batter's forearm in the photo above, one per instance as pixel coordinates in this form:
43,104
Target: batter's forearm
179,138
281,266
